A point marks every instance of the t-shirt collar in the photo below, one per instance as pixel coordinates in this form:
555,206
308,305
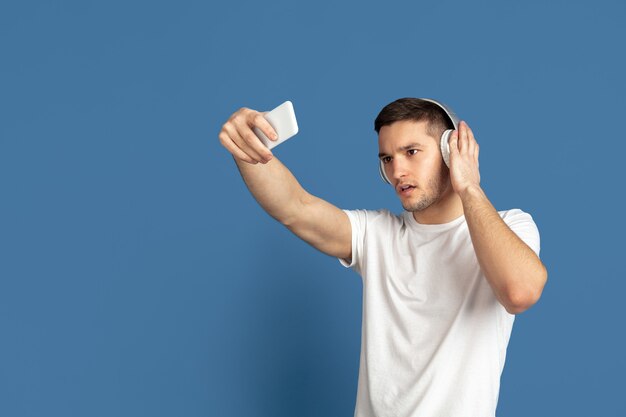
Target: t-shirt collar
410,220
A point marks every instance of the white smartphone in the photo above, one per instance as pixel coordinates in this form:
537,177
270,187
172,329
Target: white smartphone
283,120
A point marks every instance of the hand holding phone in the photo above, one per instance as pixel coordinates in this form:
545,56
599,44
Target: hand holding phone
246,132
283,120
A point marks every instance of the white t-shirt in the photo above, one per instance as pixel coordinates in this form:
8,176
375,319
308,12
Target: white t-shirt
434,335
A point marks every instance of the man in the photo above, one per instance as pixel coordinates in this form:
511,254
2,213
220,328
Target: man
442,281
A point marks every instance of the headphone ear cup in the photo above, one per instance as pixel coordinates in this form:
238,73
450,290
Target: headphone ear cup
445,147
381,171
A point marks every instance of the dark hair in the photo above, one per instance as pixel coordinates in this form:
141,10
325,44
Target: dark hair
416,109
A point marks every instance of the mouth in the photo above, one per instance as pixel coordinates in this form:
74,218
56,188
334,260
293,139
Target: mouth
405,190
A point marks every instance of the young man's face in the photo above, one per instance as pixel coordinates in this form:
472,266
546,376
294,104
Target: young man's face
410,156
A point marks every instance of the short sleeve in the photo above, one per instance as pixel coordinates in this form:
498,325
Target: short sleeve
523,225
358,222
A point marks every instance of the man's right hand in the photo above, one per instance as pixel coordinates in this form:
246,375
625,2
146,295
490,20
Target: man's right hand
312,219
238,137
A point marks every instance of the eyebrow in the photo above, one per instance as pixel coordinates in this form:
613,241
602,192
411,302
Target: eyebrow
404,148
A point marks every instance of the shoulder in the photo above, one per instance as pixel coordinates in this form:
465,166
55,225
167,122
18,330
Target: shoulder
380,214
378,217
524,226
515,215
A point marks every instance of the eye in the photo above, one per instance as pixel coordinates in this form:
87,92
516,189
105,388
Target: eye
385,159
411,150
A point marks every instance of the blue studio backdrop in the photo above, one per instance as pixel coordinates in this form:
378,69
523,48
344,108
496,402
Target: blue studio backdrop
139,277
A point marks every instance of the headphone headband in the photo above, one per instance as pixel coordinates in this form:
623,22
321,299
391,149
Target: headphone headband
453,117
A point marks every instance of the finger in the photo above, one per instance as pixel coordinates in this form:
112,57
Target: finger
462,137
233,149
241,143
453,142
471,141
253,141
261,122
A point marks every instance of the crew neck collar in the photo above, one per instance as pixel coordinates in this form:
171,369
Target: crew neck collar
408,216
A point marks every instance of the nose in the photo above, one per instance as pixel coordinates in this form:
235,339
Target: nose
398,168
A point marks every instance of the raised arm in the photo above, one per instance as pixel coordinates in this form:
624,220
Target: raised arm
317,222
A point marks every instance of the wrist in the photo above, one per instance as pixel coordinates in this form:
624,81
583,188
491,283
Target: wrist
470,191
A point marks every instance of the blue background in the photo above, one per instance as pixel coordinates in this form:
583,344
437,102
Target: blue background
138,277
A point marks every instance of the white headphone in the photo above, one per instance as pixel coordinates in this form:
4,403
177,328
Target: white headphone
443,143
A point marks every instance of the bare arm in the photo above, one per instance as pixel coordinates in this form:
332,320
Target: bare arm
515,273
513,270
274,187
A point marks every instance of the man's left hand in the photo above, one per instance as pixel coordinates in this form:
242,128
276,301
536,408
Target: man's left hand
463,159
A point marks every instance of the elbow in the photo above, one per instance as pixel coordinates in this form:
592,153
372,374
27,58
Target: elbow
521,300
294,213
517,305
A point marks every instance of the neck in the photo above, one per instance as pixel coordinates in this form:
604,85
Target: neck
448,208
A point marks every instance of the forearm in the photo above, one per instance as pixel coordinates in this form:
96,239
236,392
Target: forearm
274,187
512,268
